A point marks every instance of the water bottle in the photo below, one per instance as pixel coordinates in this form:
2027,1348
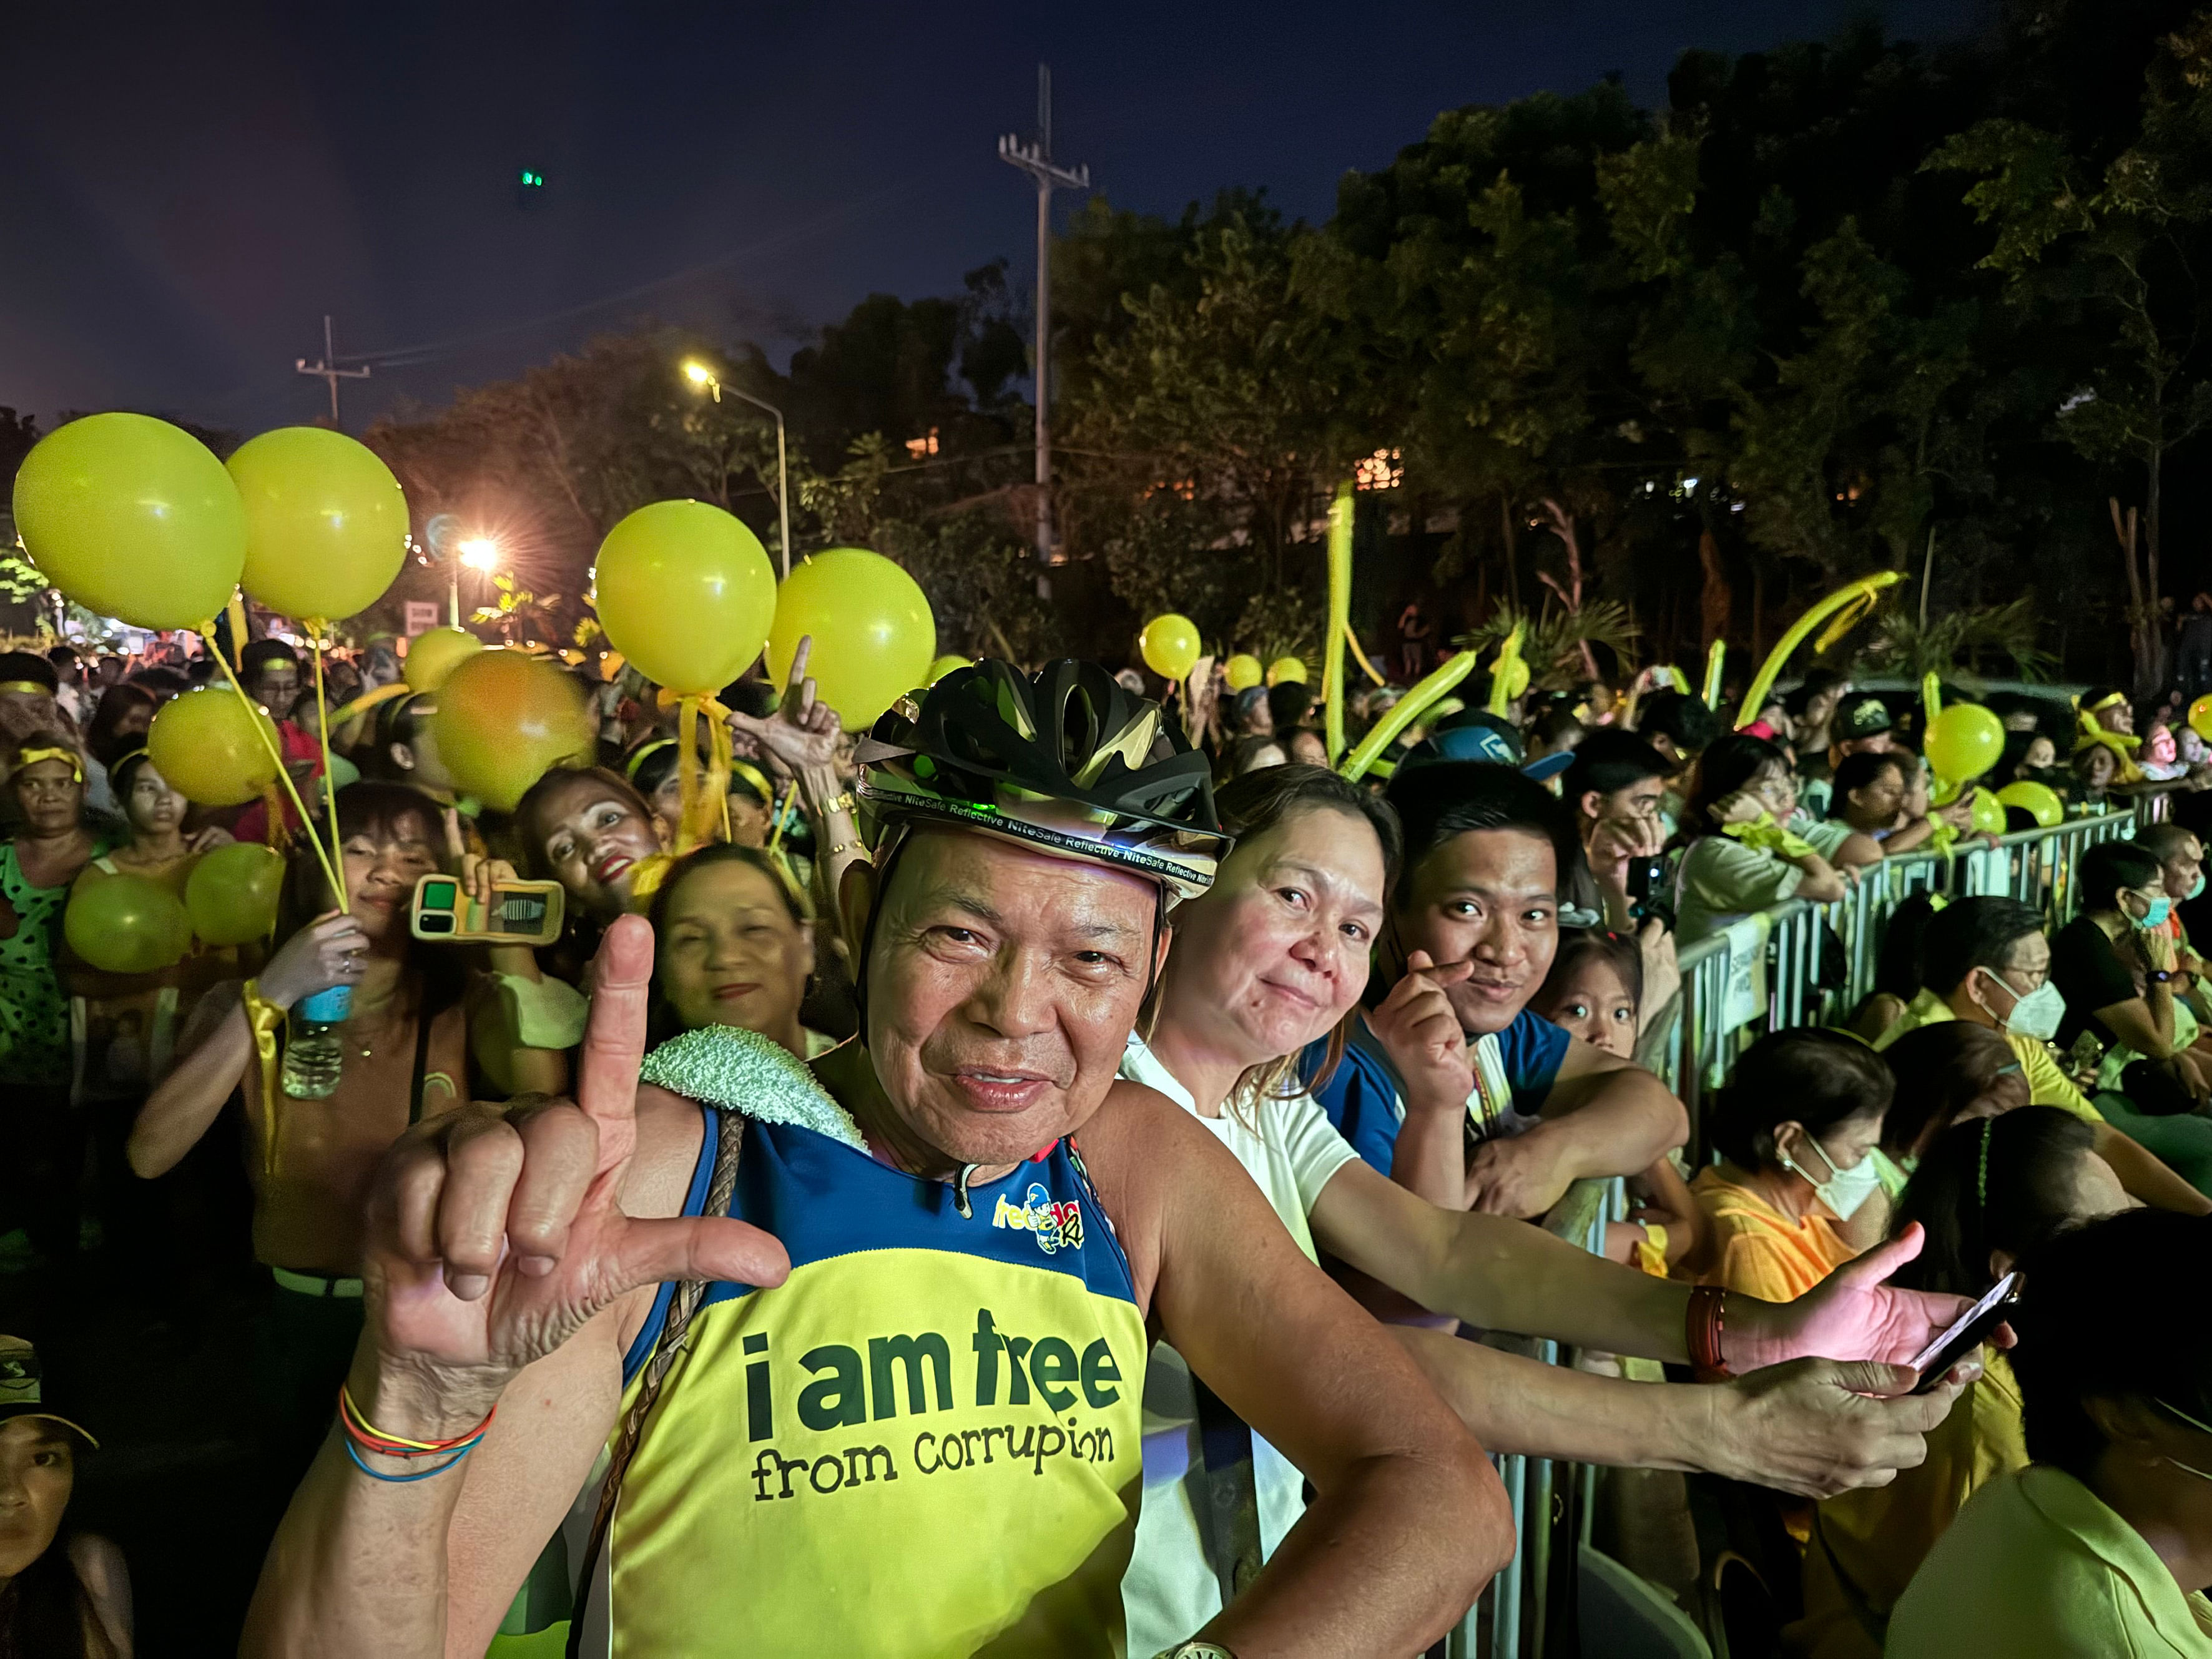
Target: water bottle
314,1054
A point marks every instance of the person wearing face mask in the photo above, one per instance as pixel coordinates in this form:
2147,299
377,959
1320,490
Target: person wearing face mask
2117,964
1794,1129
2102,1544
1985,961
1988,1191
2181,854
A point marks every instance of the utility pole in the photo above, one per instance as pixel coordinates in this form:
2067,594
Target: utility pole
328,370
1035,160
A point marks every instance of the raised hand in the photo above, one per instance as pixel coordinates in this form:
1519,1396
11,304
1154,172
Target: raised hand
479,875
326,952
495,1233
1817,1427
1849,1314
1420,1033
802,733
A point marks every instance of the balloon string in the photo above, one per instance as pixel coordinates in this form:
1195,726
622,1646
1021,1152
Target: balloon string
269,745
315,627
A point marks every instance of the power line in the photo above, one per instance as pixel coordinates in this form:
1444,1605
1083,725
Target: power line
328,370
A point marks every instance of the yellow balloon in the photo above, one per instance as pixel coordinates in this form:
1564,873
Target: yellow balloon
126,924
1286,668
1963,741
1941,792
1988,813
2039,800
945,666
132,518
325,521
204,743
874,637
505,720
435,654
2200,715
231,894
685,591
1243,671
1170,646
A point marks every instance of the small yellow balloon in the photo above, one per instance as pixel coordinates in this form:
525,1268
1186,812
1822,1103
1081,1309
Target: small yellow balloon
126,924
325,521
1963,741
1286,669
1941,792
231,894
434,655
685,591
2200,716
204,743
1988,813
2040,801
504,719
133,518
945,666
1243,671
1170,646
874,637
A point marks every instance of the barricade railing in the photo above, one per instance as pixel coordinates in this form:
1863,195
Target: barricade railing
1796,978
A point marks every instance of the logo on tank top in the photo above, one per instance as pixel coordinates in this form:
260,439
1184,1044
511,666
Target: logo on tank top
1052,1224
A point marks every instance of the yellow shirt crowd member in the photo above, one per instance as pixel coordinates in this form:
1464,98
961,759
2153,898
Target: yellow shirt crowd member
2047,1085
1867,1545
1759,1250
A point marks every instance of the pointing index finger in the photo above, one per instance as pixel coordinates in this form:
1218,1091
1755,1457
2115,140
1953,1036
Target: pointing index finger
614,1036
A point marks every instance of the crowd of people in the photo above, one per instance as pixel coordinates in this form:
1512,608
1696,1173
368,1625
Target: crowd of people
1034,1176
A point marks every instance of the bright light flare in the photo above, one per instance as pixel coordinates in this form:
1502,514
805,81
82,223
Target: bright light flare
698,373
480,553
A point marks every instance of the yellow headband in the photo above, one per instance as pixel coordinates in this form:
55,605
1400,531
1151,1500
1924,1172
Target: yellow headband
2106,702
29,688
32,757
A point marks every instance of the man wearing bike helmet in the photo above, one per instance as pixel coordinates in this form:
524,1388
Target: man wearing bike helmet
899,1415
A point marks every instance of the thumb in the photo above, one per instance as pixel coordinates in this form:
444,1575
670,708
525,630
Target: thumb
1886,1258
1420,962
712,1247
1872,1376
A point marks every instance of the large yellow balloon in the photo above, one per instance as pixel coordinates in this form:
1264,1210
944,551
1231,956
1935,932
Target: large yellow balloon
232,893
133,518
1963,741
2040,800
874,637
1243,671
325,521
504,719
1170,646
434,655
1290,669
204,743
686,592
126,924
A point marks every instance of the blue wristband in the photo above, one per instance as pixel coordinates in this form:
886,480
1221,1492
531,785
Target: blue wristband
402,1479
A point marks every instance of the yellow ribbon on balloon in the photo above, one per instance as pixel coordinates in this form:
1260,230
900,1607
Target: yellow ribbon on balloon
265,1019
1716,663
704,789
1408,708
1501,673
1854,599
1339,621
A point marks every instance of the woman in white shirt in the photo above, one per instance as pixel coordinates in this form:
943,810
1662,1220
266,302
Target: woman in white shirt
1275,956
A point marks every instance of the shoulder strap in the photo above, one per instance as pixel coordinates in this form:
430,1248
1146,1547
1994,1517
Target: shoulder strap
675,1331
1229,1515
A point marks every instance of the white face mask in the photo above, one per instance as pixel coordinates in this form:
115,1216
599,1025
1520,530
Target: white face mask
1844,1190
2036,1015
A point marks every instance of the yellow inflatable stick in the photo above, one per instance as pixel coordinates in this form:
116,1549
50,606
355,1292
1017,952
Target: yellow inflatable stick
1716,662
1339,621
1858,596
1931,695
1505,683
1408,708
1373,672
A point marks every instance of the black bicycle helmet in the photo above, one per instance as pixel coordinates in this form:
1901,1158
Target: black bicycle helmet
1070,762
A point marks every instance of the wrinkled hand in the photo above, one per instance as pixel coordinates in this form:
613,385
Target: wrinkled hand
326,952
1816,1427
1849,1314
494,1235
802,734
1516,1175
1420,1033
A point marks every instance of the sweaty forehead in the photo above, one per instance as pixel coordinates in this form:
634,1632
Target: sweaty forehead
1016,887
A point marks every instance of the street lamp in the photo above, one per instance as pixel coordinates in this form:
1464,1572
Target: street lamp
700,375
480,553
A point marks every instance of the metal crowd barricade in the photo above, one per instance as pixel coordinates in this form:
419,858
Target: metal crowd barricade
1691,1046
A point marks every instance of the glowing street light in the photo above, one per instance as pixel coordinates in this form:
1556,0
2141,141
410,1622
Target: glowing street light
480,553
705,378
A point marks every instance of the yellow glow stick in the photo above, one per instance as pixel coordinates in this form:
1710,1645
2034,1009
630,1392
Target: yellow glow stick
1716,664
1501,672
1859,593
1409,708
1339,621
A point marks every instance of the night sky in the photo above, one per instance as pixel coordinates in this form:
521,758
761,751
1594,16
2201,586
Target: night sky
184,189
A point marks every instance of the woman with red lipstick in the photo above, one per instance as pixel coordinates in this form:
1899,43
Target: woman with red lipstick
592,832
732,946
